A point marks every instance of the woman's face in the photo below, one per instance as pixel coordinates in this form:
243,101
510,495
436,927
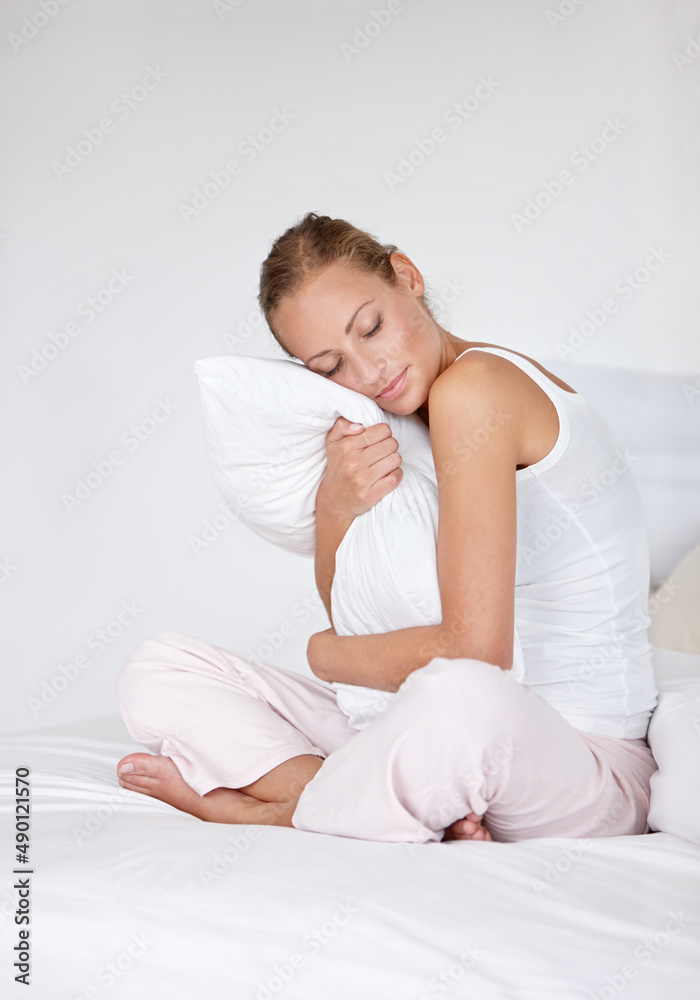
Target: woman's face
357,330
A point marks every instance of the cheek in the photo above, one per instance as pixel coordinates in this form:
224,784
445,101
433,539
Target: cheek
403,340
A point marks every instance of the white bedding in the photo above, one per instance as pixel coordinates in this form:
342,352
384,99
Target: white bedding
550,918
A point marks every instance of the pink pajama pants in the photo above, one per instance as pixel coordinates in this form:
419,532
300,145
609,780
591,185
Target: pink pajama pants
460,736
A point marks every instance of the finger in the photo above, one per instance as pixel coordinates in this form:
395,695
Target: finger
343,427
349,426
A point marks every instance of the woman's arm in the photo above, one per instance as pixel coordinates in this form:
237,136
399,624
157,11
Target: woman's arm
475,428
331,528
382,661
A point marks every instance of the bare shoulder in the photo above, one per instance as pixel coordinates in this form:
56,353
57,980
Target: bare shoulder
480,387
479,394
480,379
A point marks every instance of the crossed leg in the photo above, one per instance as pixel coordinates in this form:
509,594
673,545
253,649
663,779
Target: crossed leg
181,696
463,738
237,741
232,740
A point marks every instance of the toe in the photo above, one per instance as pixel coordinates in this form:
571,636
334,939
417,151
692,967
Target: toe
139,781
132,786
137,763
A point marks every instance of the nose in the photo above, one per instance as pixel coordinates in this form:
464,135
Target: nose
370,371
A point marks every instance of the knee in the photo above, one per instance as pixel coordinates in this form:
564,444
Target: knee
467,683
136,674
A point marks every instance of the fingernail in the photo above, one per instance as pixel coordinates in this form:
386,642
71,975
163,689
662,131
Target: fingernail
126,768
355,427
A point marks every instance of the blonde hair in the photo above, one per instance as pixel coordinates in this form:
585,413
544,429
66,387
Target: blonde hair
307,248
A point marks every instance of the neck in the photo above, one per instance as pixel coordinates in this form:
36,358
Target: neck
456,347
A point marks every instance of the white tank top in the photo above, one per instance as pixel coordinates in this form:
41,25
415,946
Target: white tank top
582,574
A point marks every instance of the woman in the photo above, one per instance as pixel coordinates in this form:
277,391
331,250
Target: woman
539,512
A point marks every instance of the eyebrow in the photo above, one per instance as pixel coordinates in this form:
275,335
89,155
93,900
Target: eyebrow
348,328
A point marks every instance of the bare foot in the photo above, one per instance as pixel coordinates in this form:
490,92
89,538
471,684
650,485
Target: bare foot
469,828
159,777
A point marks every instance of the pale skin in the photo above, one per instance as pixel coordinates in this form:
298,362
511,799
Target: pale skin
483,398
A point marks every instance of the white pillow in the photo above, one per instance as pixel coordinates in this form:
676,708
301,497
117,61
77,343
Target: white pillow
656,416
674,738
266,422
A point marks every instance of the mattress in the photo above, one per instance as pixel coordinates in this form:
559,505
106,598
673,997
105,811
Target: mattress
132,899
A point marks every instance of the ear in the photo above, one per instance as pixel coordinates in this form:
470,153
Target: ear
407,273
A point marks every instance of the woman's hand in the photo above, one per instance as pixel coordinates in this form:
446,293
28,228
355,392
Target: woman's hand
363,465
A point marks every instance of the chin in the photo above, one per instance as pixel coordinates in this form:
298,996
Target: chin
396,406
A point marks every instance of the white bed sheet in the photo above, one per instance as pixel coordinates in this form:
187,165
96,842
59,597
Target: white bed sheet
528,921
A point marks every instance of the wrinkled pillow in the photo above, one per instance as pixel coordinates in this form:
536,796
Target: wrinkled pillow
266,422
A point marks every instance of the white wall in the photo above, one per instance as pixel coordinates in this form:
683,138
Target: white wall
217,73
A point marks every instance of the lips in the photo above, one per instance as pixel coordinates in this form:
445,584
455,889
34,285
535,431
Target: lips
392,385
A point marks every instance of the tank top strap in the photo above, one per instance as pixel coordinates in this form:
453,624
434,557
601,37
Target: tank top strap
557,396
545,383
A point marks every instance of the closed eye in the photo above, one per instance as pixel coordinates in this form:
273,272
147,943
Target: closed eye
371,333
